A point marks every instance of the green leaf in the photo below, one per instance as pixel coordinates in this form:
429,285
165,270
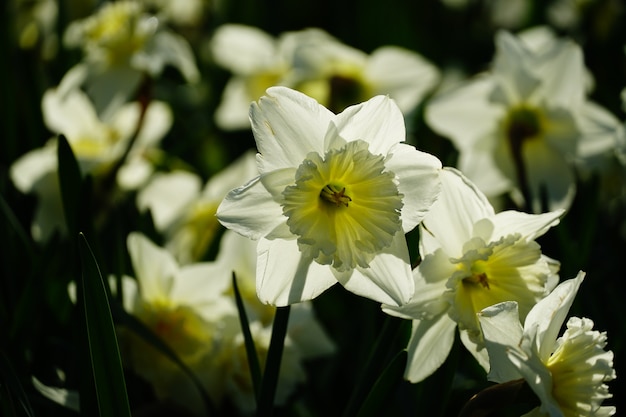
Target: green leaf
70,181
384,387
272,365
104,360
253,358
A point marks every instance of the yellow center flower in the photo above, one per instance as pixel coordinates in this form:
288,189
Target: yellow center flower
579,368
344,207
489,273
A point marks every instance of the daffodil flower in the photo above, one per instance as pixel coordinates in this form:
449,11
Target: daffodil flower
471,258
317,64
523,126
184,210
334,197
568,373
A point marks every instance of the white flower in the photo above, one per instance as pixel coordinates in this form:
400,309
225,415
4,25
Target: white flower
338,75
181,305
521,127
123,47
334,196
317,64
471,258
568,373
122,34
97,145
185,213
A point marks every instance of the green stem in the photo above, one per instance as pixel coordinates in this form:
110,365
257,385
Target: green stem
272,365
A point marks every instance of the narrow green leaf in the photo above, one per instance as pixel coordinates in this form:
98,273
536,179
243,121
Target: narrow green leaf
104,356
378,397
70,181
136,326
269,382
253,358
13,387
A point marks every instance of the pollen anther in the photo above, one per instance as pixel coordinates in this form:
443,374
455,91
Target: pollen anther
335,195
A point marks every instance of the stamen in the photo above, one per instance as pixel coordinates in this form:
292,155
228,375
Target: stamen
478,279
333,194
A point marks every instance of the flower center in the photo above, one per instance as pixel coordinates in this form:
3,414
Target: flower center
523,123
579,368
344,207
508,269
335,194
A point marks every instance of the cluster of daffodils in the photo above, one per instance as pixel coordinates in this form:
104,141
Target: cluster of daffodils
328,197
192,309
338,193
317,64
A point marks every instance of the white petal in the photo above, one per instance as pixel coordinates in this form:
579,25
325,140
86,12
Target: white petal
451,219
31,167
563,77
465,114
403,74
287,125
502,330
70,114
377,121
250,210
547,316
530,226
167,196
388,279
600,130
242,170
232,112
430,278
286,276
276,181
480,167
242,49
429,346
478,351
538,377
418,182
549,174
199,283
307,334
513,68
154,267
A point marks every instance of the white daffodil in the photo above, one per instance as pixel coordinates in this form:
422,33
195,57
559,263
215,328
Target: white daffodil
97,145
522,127
122,44
184,307
334,196
338,75
306,339
568,373
471,258
257,60
317,64
185,213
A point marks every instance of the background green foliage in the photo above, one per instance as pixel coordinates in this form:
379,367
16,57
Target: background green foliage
42,330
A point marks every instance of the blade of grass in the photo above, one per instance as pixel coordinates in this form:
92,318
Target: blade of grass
13,388
269,382
253,358
104,356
